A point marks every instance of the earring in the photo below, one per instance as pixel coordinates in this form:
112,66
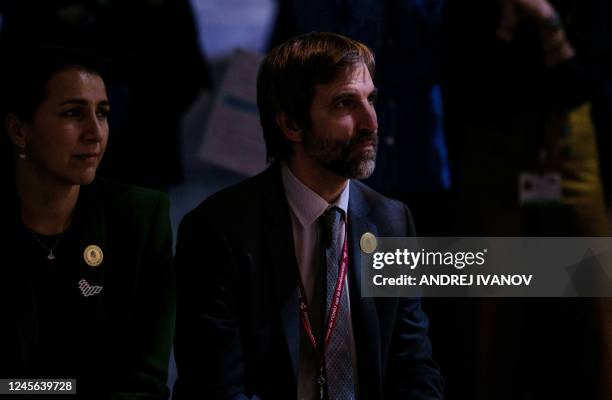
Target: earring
21,153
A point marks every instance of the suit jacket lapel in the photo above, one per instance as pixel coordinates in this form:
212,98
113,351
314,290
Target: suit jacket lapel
90,216
280,246
364,313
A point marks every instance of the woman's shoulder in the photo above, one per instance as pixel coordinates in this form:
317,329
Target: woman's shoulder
122,198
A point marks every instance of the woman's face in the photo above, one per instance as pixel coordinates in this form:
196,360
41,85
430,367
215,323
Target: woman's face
66,137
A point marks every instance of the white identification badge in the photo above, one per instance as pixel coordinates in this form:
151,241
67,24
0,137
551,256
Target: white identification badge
539,188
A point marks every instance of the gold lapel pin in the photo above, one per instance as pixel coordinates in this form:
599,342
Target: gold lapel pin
93,255
368,243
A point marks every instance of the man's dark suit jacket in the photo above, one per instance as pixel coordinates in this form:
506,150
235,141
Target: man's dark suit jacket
238,326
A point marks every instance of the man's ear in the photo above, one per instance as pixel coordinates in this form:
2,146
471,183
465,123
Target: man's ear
289,127
14,127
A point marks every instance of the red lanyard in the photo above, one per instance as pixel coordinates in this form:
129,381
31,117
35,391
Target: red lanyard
333,312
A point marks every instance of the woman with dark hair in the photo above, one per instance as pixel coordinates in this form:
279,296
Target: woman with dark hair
86,286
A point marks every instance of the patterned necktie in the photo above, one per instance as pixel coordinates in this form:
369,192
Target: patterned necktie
338,360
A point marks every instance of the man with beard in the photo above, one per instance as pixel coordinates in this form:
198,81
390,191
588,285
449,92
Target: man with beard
261,264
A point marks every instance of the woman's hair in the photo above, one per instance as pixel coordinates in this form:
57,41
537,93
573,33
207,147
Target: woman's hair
24,74
26,71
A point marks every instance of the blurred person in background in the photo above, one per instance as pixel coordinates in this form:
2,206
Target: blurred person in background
519,79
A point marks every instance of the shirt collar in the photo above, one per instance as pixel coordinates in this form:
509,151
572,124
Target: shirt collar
307,205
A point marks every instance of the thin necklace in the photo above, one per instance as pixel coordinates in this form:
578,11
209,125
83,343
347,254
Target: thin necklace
50,256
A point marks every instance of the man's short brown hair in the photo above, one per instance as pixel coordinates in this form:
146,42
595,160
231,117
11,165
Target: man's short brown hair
289,74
